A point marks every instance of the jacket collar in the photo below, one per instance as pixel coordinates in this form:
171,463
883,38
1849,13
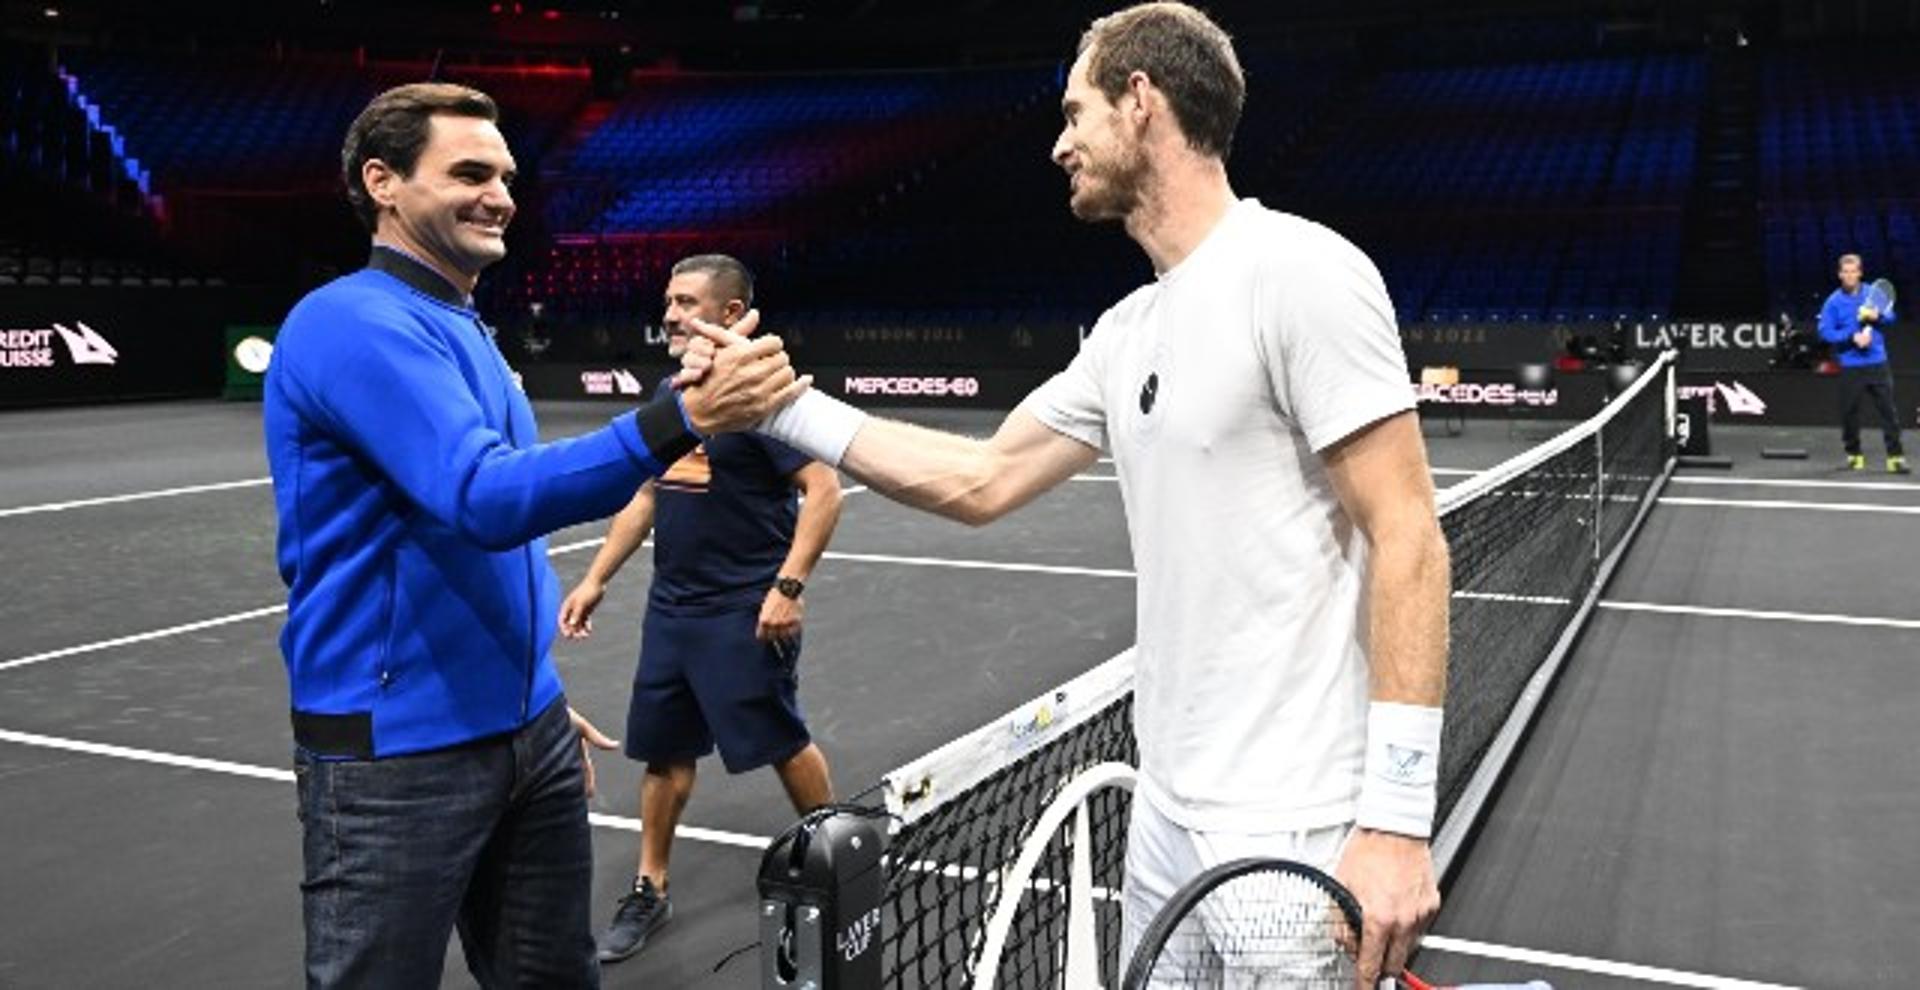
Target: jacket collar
417,275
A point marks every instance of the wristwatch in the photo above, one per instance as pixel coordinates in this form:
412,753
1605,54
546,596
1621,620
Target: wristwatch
789,586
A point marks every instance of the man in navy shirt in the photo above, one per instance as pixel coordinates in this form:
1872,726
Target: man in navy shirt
441,780
721,642
1852,323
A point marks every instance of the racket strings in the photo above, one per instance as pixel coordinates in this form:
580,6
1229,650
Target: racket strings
1258,930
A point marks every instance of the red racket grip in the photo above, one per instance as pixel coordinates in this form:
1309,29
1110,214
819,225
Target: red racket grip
1414,982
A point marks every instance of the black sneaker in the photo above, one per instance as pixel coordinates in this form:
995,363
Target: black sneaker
640,914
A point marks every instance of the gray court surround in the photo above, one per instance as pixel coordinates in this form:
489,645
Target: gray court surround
1715,786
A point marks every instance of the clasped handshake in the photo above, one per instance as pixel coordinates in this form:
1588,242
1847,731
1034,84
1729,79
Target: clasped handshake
730,381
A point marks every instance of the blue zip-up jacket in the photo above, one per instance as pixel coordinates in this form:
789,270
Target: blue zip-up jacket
414,498
1840,320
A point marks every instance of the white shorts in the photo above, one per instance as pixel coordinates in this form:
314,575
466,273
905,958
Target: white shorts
1163,855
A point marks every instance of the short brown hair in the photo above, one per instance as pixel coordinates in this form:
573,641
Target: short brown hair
1187,56
729,276
1846,258
394,129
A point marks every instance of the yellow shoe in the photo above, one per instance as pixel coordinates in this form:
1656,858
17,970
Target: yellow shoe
1898,465
1856,462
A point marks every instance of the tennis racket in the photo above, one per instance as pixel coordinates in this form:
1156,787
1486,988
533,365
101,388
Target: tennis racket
1256,923
1880,295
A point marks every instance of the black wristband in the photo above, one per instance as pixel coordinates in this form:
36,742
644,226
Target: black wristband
664,429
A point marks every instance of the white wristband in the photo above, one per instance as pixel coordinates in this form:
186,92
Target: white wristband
817,425
1400,785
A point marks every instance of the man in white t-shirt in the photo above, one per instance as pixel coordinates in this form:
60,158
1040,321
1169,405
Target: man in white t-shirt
1293,579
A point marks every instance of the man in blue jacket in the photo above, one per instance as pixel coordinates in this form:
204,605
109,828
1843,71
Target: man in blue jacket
1853,325
441,781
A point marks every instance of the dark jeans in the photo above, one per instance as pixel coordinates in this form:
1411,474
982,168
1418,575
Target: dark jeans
1876,382
489,837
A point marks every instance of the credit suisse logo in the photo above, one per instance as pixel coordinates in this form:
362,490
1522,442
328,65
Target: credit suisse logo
33,348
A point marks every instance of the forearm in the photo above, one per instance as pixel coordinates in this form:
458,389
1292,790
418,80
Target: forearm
949,475
625,535
819,515
1407,664
972,481
1407,599
402,406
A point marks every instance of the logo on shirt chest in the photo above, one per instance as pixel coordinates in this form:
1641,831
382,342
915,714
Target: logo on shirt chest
692,473
1149,392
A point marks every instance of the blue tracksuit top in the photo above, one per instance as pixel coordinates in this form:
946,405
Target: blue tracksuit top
1840,320
414,499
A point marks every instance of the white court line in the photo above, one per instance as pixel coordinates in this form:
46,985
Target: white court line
1491,596
1859,486
1764,615
146,756
142,637
744,841
1705,611
219,486
1587,964
556,551
694,832
980,565
1019,568
277,774
82,503
585,545
1739,503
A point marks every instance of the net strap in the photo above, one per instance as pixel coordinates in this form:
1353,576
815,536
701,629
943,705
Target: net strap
917,789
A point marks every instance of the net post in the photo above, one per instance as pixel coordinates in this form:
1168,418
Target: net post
821,885
1673,400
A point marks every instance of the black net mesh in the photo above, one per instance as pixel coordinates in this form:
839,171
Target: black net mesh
1526,551
948,869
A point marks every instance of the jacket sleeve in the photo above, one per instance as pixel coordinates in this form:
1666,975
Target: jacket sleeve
394,393
1831,329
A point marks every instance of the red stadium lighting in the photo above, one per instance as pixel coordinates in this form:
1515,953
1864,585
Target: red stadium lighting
550,14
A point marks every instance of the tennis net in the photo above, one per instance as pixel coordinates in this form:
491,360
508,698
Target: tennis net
1007,856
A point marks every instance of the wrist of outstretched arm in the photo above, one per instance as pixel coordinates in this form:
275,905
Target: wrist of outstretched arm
1399,786
816,424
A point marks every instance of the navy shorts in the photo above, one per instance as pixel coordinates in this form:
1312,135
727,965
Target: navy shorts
705,680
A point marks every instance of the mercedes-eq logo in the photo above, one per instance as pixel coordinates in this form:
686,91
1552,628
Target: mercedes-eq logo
1149,392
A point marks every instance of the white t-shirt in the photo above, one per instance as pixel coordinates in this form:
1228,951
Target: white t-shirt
1216,388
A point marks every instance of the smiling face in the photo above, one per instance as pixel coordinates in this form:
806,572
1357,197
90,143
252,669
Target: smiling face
454,207
1101,153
